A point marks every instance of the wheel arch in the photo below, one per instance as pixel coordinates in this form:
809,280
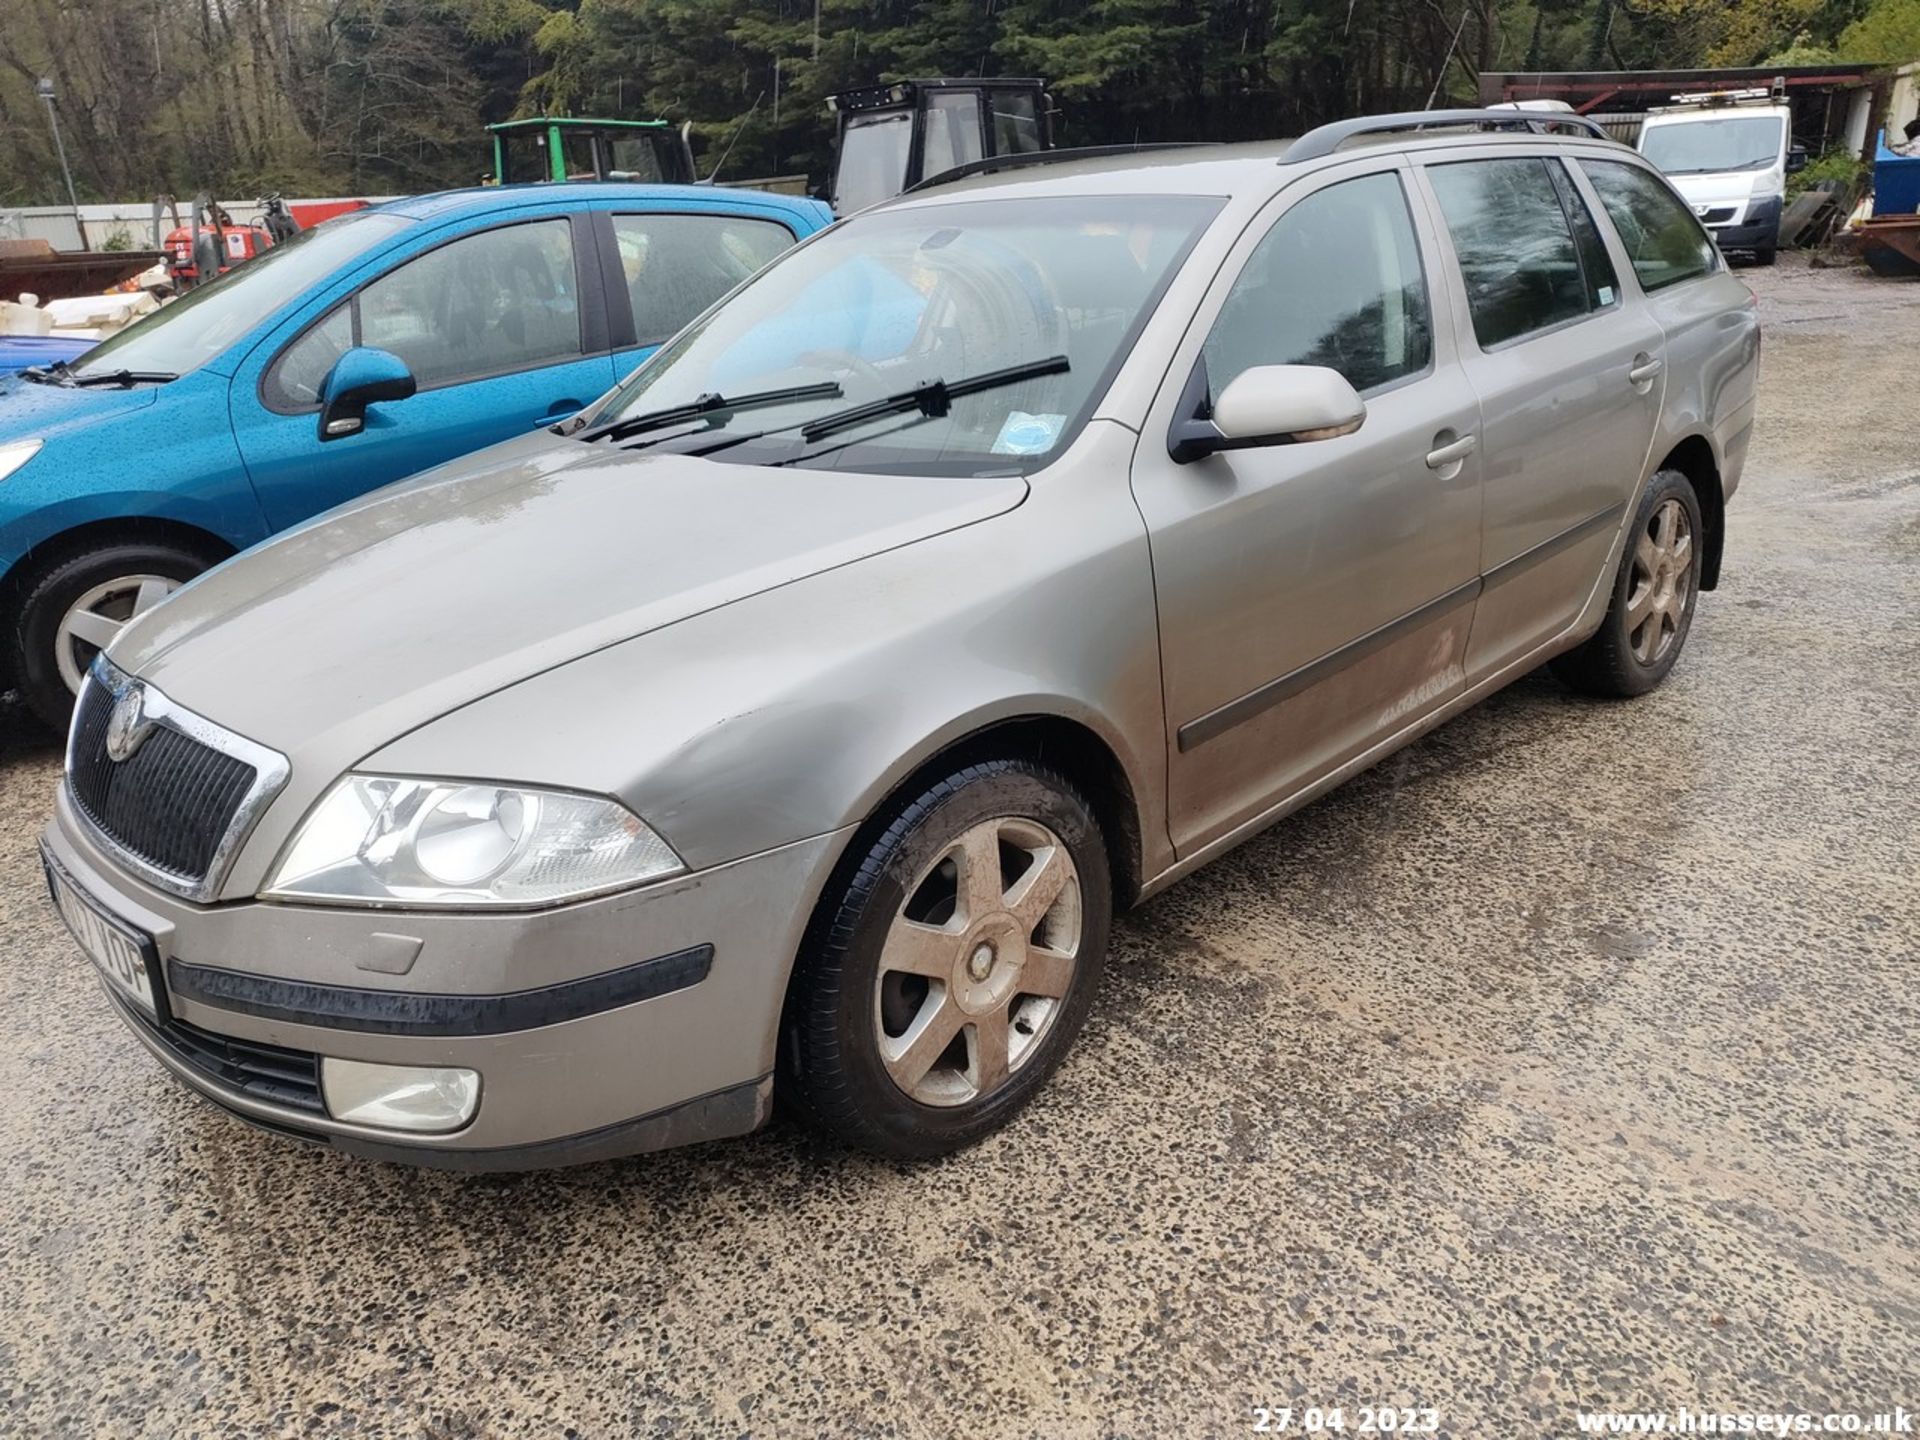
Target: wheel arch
61,546
1071,746
1693,457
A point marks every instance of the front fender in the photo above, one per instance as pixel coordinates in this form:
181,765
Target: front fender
172,459
793,713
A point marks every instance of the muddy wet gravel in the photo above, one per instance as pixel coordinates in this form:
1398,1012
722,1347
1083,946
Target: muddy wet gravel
1564,1061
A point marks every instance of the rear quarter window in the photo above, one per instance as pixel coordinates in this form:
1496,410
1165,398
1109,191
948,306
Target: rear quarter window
1662,239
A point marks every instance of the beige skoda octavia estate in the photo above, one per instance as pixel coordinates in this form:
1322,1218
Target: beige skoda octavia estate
791,723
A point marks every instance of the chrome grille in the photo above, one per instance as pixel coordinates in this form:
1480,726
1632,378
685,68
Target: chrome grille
178,804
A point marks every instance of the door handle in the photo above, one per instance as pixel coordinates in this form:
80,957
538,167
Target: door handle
1445,455
1645,367
564,407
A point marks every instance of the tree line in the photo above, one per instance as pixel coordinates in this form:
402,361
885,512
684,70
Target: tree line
239,97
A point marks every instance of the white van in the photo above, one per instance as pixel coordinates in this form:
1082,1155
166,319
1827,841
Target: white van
1729,156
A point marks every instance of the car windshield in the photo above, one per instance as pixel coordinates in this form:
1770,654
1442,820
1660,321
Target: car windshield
1700,147
895,300
192,330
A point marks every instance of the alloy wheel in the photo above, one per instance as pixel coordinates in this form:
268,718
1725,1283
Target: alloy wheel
101,613
977,962
1661,587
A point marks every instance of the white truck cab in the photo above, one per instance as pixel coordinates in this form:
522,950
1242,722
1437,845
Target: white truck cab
1728,153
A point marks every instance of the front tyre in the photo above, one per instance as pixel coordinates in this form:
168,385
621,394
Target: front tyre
72,610
1654,593
952,965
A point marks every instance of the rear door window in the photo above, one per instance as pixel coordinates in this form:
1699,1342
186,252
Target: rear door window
1596,266
1663,241
676,266
1515,244
1336,282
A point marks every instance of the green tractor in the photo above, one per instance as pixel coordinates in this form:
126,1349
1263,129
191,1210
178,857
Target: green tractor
551,148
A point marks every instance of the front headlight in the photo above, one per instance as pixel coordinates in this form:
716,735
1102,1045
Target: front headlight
13,456
384,839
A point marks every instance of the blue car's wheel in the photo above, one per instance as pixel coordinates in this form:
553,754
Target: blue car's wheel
72,609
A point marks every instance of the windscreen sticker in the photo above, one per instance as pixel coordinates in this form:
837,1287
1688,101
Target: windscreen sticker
1606,294
1025,434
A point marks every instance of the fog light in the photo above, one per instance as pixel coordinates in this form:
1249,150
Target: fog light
399,1097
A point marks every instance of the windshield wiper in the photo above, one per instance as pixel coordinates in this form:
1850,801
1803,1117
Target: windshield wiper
932,398
1760,164
714,408
57,373
127,379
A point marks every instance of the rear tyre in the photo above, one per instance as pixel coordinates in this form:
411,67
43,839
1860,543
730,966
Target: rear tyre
951,964
72,610
1654,594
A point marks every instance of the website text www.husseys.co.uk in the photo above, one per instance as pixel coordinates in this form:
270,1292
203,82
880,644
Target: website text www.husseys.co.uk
1897,1421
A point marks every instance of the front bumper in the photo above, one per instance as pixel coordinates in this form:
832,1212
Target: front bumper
1758,228
620,1024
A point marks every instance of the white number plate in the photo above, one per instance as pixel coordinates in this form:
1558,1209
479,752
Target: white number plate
108,943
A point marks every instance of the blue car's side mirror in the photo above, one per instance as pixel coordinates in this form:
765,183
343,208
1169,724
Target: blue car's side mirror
361,377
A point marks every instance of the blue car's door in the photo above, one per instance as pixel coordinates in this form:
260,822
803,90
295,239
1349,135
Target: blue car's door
504,326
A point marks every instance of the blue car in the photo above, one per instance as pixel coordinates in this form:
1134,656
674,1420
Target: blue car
363,350
22,352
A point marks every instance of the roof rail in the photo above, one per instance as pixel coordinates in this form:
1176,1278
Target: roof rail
991,163
1328,138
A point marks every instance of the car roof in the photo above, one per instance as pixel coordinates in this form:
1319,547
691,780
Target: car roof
1217,169
481,198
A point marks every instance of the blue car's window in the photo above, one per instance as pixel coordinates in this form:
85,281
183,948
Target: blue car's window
677,265
485,304
194,329
296,377
894,298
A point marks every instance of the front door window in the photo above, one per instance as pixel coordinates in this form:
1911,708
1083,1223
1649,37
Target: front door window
1336,282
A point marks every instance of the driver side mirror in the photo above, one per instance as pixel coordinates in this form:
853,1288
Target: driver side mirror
1272,405
361,377
1796,158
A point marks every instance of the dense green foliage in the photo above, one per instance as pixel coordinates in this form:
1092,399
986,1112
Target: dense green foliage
370,96
1836,167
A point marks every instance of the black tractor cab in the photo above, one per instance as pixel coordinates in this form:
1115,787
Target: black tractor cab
891,137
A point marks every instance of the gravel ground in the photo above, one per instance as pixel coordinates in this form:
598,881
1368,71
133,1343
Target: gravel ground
1564,1061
